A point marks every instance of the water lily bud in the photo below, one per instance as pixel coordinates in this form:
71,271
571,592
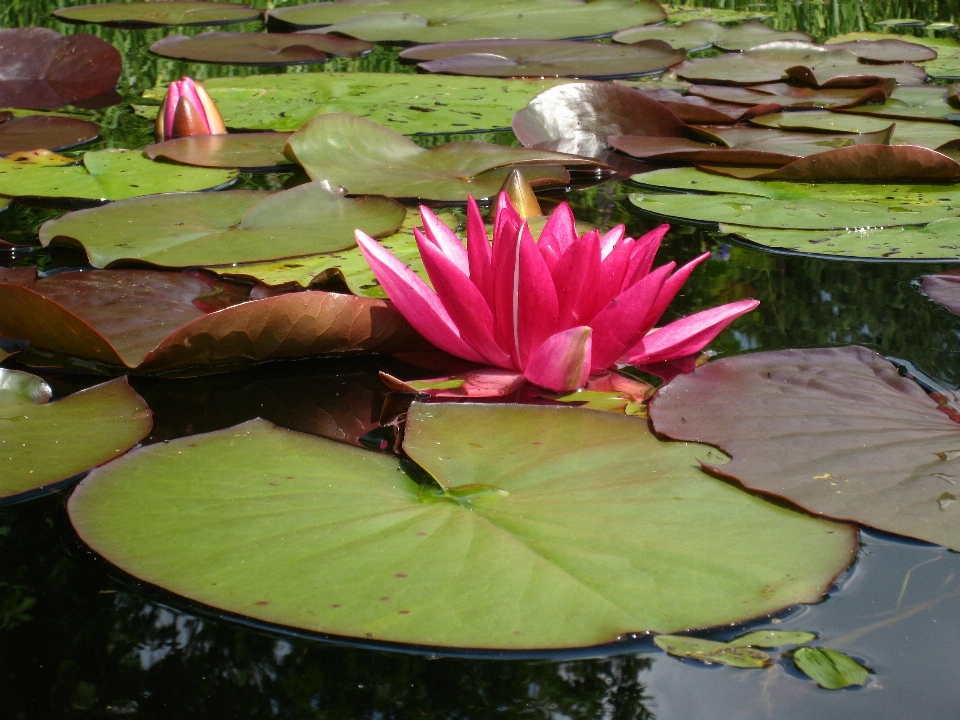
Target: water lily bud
521,195
188,110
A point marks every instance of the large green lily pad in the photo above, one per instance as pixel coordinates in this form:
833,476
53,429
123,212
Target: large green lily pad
189,229
367,158
543,531
428,21
102,175
806,206
44,443
940,240
409,104
933,135
837,431
160,12
252,152
701,34
239,48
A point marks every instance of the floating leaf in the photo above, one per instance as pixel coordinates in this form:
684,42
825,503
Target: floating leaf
939,240
544,58
430,21
160,12
190,321
843,435
367,158
913,102
40,68
239,48
831,669
543,531
251,152
709,651
945,289
701,34
772,638
41,131
795,96
409,104
190,229
809,206
685,13
807,63
102,175
44,443
944,63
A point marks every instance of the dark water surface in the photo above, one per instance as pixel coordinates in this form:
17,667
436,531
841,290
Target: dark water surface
78,640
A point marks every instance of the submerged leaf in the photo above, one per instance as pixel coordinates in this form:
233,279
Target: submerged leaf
831,669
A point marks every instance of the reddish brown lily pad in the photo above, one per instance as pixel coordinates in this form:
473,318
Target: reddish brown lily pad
155,321
837,431
544,58
245,151
943,289
795,96
41,131
40,68
239,48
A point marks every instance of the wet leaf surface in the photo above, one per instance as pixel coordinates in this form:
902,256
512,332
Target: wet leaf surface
102,175
190,229
44,443
240,48
245,151
190,321
439,103
40,68
353,547
945,289
39,131
843,435
543,58
160,12
367,158
701,34
831,669
430,21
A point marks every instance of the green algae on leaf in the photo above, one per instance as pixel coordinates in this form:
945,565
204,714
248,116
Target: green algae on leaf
582,545
831,669
159,12
43,443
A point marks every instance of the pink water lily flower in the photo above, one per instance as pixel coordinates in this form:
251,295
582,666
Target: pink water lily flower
188,109
556,310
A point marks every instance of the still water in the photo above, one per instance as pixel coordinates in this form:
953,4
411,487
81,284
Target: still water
79,640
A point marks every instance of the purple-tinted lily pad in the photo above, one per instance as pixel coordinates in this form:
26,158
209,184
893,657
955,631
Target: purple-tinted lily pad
160,12
40,68
702,111
806,63
190,320
795,96
44,443
369,159
943,289
544,58
701,34
888,50
45,131
251,152
521,497
838,432
238,48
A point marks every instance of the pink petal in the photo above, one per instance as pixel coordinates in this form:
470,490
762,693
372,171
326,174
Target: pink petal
613,269
189,91
671,287
562,362
610,240
170,109
415,301
577,279
463,302
619,325
560,232
504,214
478,252
445,239
687,335
644,251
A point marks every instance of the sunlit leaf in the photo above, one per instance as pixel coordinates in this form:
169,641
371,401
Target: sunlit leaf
684,13
41,131
245,151
709,651
239,48
945,65
831,669
701,34
944,289
160,12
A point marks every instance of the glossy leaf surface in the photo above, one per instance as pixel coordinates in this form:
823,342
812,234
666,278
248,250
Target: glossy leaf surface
240,48
831,669
517,547
40,68
933,135
701,34
245,151
838,432
189,229
793,95
945,64
43,443
39,131
160,12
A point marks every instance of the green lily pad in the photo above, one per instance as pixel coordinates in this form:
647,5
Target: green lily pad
740,652
189,229
252,152
240,48
685,13
160,12
946,66
410,104
772,638
429,21
102,175
543,531
940,240
807,206
932,135
369,159
831,669
44,443
701,34
913,102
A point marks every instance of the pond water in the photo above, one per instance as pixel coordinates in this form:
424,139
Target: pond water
80,639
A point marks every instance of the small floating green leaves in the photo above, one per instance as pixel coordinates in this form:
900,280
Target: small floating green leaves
43,443
831,669
549,534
